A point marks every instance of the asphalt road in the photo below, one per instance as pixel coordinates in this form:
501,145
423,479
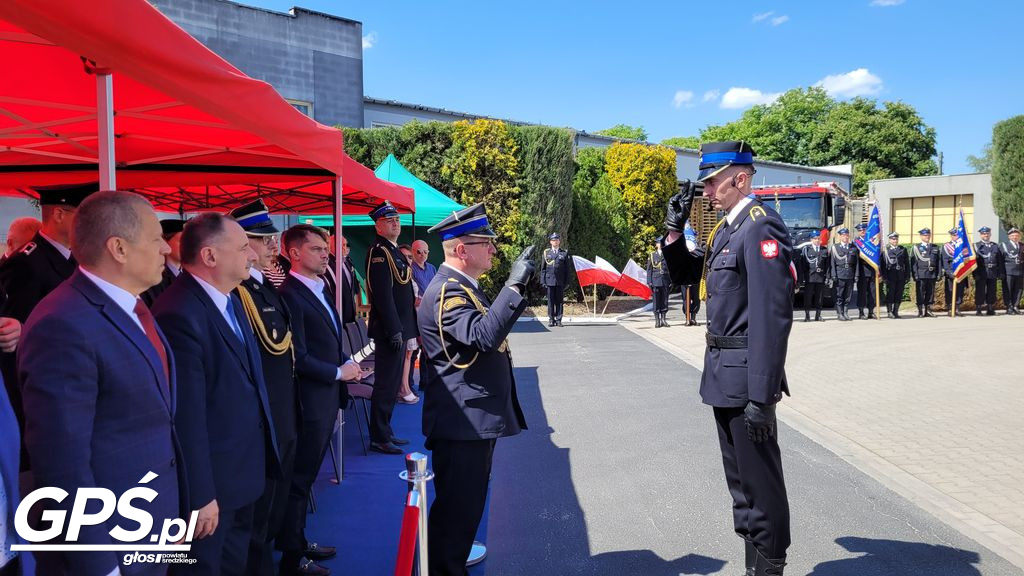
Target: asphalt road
619,473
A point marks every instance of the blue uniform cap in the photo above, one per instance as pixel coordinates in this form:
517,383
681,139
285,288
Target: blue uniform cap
254,218
815,234
894,235
65,194
925,231
383,210
844,231
952,231
717,156
470,221
984,229
861,226
1013,230
554,236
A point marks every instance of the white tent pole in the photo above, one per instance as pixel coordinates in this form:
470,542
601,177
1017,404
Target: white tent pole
339,258
105,133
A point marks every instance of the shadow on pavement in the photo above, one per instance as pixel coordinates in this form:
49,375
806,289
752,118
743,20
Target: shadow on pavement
897,557
539,527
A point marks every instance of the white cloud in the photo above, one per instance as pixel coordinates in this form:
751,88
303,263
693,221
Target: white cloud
779,20
682,97
711,95
369,40
762,16
859,82
736,98
887,2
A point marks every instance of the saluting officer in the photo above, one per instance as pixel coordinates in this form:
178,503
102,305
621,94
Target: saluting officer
1013,265
948,255
924,267
470,401
815,268
392,323
554,274
987,272
843,270
749,285
270,321
36,270
866,297
895,272
659,282
171,230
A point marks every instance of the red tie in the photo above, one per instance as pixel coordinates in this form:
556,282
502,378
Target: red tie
146,318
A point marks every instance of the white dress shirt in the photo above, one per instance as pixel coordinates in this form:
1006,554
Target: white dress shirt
735,212
317,288
220,301
124,299
64,250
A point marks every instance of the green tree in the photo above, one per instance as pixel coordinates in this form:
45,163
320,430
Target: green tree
691,142
805,126
545,181
981,163
421,149
626,132
646,175
1008,170
483,167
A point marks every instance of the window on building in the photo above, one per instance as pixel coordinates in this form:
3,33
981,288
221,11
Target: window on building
376,124
302,106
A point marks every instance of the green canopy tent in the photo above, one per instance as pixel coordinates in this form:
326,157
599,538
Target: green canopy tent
432,206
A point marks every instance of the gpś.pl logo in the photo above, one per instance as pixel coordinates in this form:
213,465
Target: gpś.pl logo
175,535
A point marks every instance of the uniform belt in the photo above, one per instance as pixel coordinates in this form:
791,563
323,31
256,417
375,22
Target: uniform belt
725,341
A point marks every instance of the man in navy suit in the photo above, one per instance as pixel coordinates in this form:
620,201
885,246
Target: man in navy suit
224,415
98,381
322,368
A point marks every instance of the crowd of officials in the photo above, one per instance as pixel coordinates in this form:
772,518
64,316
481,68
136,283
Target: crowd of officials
207,360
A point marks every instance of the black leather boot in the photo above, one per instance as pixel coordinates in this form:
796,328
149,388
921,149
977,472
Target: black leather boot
749,557
768,566
817,317
664,319
928,312
657,319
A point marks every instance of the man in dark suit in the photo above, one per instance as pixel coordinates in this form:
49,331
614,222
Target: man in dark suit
349,286
750,314
269,318
224,415
98,379
554,274
35,270
172,228
322,369
471,400
392,323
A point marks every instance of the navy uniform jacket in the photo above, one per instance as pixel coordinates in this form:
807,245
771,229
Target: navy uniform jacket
270,321
349,292
389,283
865,270
814,263
946,257
657,273
990,260
150,296
554,267
1013,258
843,261
318,351
924,261
223,412
895,264
471,394
30,274
100,412
750,293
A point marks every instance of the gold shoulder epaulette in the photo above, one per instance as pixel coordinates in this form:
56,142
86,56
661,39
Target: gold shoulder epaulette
454,302
756,211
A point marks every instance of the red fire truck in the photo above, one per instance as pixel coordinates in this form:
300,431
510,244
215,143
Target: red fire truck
821,206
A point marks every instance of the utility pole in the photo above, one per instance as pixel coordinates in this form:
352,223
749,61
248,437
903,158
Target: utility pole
940,163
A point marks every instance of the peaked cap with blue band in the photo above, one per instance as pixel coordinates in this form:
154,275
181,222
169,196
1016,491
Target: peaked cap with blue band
984,229
254,218
861,226
383,210
717,156
470,221
70,195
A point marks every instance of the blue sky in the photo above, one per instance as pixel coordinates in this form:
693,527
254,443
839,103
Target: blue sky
674,67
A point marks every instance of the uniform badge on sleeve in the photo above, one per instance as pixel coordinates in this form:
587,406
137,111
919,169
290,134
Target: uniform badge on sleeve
769,248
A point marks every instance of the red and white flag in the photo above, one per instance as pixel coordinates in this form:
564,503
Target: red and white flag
634,281
590,273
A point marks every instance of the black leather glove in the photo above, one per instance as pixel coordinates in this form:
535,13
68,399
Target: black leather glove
396,342
760,421
522,270
679,207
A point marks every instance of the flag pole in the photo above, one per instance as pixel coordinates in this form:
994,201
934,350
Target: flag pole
609,299
595,300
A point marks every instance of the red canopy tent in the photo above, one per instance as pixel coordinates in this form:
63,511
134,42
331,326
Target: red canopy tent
85,82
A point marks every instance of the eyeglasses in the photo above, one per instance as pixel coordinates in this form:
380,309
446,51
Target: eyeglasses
269,240
423,251
491,242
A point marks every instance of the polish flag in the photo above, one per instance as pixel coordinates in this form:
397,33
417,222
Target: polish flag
634,281
590,273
